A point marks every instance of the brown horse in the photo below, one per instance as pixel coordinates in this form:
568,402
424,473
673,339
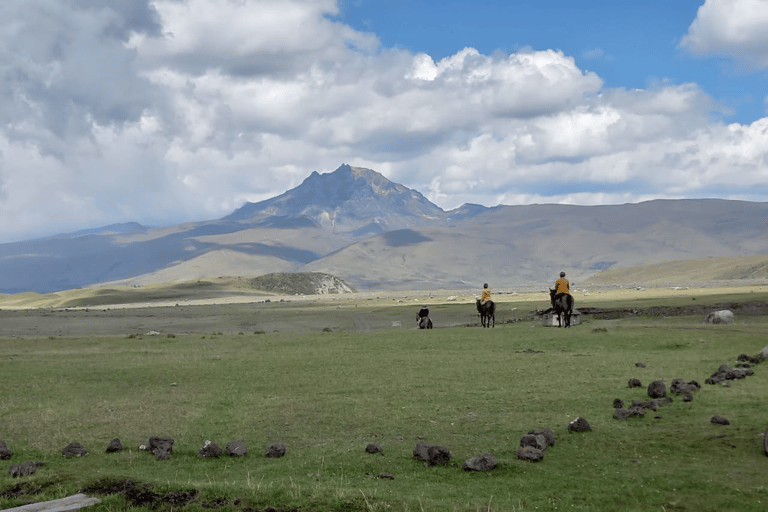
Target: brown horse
563,306
487,313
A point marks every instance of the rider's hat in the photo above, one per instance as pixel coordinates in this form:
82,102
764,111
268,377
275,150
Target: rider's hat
485,285
562,274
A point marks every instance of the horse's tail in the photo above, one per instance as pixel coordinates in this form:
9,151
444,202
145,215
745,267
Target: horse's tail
569,302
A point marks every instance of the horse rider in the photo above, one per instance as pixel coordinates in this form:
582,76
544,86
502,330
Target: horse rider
424,311
486,294
562,286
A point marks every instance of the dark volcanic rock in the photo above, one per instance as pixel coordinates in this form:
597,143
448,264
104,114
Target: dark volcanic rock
25,468
657,389
618,403
535,440
236,448
579,425
439,455
421,452
719,420
374,448
210,449
634,383
484,462
765,442
548,434
275,451
161,447
530,453
74,450
5,452
115,445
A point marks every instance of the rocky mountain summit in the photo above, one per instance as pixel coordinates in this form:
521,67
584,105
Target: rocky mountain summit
351,201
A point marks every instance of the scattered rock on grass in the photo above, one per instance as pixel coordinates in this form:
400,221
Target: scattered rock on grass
765,442
530,453
236,448
74,450
161,447
210,449
634,383
719,317
439,455
548,434
275,451
5,452
719,420
579,425
421,452
657,389
25,468
618,403
115,445
374,448
484,462
535,440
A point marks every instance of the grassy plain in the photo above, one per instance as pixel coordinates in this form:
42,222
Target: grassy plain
325,394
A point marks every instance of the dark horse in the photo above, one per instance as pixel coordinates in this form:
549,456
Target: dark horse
422,318
563,306
487,313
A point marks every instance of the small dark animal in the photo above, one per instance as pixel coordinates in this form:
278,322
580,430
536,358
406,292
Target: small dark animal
563,306
487,313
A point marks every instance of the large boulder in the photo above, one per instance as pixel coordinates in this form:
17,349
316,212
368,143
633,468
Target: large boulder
484,462
719,317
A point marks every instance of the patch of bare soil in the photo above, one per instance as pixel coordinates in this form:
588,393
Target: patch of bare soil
743,308
140,494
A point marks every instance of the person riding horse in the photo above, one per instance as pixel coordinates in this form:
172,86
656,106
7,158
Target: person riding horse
562,301
562,286
486,295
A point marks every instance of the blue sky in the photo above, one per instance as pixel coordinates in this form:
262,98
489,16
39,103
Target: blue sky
168,111
628,44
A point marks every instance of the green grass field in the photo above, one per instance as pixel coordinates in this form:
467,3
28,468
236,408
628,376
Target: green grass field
326,395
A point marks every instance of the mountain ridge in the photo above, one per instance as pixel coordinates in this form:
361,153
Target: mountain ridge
356,224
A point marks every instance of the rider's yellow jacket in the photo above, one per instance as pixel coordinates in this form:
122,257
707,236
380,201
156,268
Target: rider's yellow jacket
562,286
486,295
